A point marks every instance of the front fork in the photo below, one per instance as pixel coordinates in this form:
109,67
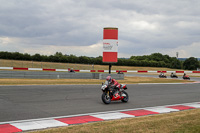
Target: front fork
108,94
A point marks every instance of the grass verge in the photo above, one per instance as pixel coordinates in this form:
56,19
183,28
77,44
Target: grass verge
177,122
127,80
53,65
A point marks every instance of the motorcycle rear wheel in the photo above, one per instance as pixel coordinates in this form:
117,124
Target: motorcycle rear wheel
125,99
105,98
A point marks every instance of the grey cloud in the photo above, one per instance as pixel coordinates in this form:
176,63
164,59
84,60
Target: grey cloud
153,23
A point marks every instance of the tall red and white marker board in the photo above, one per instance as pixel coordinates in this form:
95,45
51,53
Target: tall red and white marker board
110,45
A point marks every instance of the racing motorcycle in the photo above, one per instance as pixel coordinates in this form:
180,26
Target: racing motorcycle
186,77
111,94
162,76
173,75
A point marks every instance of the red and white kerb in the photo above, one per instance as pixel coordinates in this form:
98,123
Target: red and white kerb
110,45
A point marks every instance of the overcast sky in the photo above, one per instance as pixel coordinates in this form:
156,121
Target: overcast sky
76,26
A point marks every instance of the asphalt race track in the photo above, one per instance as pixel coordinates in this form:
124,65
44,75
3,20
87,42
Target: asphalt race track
31,102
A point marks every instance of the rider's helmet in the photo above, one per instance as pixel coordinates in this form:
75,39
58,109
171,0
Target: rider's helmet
109,78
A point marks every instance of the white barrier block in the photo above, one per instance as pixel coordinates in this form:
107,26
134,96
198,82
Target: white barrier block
195,105
51,123
130,71
61,70
27,126
171,71
84,70
8,68
152,71
161,109
188,71
111,116
35,69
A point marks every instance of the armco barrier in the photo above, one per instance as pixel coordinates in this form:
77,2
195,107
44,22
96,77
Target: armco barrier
115,76
55,75
93,71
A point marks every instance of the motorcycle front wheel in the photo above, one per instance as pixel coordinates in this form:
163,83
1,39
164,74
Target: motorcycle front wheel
105,98
125,99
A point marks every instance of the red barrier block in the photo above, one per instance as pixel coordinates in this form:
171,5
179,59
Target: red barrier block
179,71
92,70
195,71
100,70
7,128
181,107
17,68
141,112
49,69
124,71
79,119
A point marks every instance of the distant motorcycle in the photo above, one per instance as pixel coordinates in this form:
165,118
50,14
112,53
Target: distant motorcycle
173,76
111,94
186,77
162,76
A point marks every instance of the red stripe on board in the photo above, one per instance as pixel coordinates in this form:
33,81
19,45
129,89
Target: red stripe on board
79,119
140,112
110,57
161,71
49,69
100,70
7,128
92,70
16,68
181,107
77,70
142,71
110,34
124,71
195,71
179,71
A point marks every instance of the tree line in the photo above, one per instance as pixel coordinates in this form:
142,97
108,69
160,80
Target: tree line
153,60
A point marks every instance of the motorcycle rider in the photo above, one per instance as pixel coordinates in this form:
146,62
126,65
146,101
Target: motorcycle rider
184,74
161,74
172,74
113,83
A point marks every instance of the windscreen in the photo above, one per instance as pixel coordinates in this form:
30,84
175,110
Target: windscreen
106,82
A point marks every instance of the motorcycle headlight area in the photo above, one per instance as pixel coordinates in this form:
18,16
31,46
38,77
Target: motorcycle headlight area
104,87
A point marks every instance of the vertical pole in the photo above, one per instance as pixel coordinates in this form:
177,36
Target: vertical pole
110,68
